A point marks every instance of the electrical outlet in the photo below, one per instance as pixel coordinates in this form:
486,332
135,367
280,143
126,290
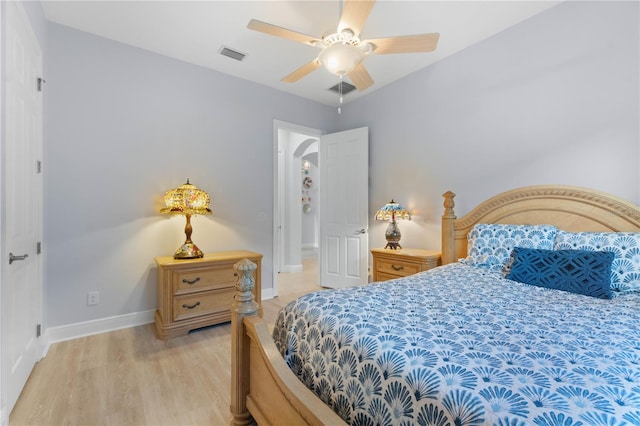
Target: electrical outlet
92,298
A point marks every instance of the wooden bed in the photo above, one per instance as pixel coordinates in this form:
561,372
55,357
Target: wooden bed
264,390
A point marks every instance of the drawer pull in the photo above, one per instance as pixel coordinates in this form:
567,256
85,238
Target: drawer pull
397,268
186,281
184,305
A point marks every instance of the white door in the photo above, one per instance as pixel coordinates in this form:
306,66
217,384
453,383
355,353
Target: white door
344,211
21,285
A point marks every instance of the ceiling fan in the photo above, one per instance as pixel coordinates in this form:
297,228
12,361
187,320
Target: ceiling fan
343,52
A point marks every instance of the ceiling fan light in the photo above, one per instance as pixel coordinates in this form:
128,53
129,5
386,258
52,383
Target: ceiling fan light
340,58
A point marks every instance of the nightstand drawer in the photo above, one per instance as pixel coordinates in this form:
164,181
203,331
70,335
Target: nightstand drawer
389,264
398,269
381,276
197,304
205,278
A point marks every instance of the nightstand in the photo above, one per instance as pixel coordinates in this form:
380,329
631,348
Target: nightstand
389,264
194,293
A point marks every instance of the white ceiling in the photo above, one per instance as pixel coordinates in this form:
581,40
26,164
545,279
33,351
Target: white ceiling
195,32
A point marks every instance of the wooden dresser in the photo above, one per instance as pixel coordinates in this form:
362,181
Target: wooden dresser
389,264
194,293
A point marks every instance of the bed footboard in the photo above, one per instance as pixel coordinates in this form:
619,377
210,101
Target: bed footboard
263,389
243,306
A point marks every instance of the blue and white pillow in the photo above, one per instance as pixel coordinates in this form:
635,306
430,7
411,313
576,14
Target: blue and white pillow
490,245
625,268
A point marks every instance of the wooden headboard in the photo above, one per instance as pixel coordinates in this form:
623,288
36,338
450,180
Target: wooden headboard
567,207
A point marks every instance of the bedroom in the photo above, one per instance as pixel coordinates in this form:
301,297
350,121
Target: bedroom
557,93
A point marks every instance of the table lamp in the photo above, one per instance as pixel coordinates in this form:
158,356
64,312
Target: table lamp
392,211
186,200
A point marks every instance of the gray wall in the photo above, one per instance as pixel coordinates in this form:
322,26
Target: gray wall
125,125
38,21
553,100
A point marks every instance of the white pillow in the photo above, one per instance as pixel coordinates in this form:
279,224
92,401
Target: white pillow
490,245
625,268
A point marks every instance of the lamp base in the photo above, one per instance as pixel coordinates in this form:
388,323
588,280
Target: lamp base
393,246
188,250
392,235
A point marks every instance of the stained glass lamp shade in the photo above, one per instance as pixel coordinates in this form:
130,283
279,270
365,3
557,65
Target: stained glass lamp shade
187,200
392,211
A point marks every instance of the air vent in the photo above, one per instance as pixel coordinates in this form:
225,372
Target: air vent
346,88
233,54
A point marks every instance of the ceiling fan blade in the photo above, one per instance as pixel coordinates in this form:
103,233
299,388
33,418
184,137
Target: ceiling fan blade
361,78
406,44
303,71
355,14
277,31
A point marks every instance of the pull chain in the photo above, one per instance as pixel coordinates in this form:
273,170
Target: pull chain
340,93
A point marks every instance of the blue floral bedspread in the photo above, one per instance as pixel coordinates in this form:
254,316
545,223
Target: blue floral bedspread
460,345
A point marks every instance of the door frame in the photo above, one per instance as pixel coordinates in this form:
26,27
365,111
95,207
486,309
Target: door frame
20,14
4,416
278,199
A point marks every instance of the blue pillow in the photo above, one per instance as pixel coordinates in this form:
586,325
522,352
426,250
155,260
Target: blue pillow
490,244
577,271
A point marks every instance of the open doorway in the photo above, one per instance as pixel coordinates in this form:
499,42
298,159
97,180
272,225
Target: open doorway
307,151
296,203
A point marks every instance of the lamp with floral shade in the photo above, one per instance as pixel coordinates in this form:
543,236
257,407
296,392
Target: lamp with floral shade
187,200
392,211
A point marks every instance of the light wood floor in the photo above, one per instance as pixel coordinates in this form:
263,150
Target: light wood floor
129,377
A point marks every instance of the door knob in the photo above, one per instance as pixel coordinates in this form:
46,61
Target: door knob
361,231
13,258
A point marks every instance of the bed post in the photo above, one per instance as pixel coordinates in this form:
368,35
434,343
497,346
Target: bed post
448,231
244,306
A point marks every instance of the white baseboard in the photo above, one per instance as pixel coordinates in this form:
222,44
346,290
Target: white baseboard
267,293
291,268
88,328
102,325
